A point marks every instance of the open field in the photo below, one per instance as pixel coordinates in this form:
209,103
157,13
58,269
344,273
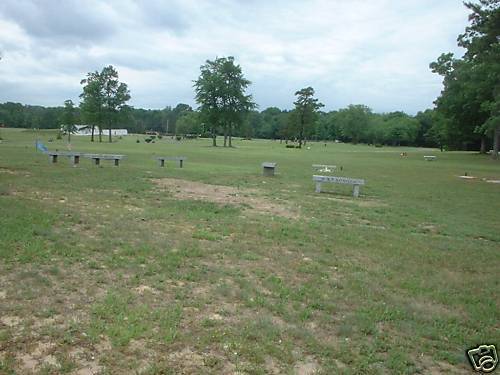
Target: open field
141,269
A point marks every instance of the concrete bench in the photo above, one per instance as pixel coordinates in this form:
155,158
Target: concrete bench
268,168
429,157
356,182
324,167
75,156
98,157
180,159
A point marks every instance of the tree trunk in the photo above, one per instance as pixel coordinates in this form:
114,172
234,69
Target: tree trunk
69,137
225,135
301,132
496,142
92,134
214,138
110,140
482,150
100,134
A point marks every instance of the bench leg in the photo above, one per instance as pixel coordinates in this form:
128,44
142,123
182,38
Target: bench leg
355,191
76,160
268,172
117,162
96,161
180,163
54,158
162,163
318,187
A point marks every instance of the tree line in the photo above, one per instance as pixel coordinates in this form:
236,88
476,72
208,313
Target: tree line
356,123
136,120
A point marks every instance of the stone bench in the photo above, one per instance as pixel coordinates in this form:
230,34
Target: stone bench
429,157
324,167
268,168
180,159
75,156
98,157
356,182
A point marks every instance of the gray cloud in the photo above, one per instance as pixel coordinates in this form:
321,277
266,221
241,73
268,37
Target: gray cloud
376,53
60,21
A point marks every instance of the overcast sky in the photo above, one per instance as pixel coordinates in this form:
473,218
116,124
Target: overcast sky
372,52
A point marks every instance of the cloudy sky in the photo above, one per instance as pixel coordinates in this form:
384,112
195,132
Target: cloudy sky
373,52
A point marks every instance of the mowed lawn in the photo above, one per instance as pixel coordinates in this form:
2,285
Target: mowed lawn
142,269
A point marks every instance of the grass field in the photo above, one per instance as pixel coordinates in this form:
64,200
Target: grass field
142,269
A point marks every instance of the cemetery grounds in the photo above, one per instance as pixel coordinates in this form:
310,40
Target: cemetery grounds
214,268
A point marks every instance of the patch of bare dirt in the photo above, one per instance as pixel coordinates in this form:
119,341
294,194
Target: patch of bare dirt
142,289
433,367
220,194
187,359
28,362
10,321
271,366
86,362
40,356
429,228
103,345
39,323
307,367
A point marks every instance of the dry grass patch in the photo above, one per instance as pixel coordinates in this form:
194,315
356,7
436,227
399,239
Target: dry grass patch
248,198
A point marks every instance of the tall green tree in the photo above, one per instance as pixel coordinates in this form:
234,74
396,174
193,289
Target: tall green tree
188,123
116,95
353,122
220,93
104,99
306,111
401,129
92,103
68,118
469,99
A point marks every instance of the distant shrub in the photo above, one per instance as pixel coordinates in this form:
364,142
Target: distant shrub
147,140
153,137
59,136
137,141
378,145
178,137
160,136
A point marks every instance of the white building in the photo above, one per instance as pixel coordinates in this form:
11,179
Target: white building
87,130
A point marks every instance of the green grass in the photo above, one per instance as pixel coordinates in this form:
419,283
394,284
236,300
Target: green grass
103,268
